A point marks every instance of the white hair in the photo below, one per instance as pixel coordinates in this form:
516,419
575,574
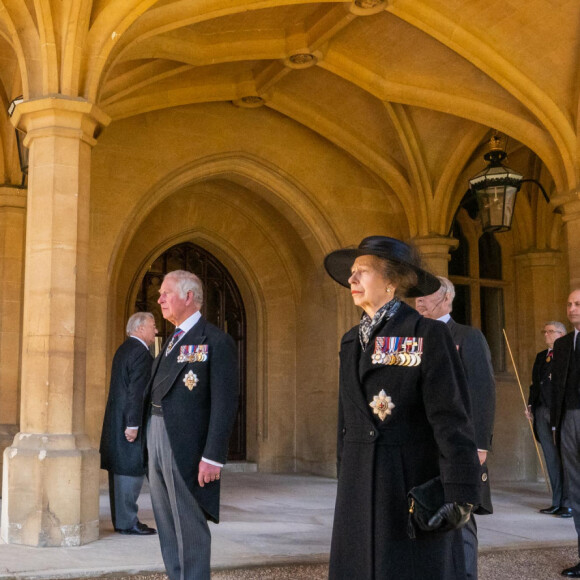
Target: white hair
559,326
187,282
446,287
136,320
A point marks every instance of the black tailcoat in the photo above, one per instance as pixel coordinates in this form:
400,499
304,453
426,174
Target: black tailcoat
541,379
563,348
199,421
429,432
476,360
130,374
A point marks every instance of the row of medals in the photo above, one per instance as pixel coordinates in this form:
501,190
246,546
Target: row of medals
404,359
193,353
192,357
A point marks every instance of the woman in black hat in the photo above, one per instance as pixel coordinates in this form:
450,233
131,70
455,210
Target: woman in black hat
403,420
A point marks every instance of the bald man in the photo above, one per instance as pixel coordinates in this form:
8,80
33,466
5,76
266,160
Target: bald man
565,412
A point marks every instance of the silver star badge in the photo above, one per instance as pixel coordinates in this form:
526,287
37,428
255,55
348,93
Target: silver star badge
190,380
382,405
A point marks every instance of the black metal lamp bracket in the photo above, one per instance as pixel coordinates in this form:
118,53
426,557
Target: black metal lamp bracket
539,185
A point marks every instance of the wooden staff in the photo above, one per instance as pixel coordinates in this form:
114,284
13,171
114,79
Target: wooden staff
526,408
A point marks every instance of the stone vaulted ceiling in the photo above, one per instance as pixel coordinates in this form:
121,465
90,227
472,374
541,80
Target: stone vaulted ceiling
409,88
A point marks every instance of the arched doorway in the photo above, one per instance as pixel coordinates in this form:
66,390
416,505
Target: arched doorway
222,306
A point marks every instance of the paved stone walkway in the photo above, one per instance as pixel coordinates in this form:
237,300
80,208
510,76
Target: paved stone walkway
541,564
272,525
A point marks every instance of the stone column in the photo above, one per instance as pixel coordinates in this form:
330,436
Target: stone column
12,233
51,474
540,295
435,251
568,205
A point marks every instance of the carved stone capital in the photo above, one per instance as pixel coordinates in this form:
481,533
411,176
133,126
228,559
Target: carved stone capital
568,204
60,116
435,251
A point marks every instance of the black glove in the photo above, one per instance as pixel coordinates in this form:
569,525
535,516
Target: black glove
450,516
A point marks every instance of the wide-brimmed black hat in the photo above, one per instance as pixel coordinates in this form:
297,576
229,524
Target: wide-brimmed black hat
339,263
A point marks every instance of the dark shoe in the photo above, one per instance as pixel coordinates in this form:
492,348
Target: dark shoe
139,529
564,512
573,572
551,510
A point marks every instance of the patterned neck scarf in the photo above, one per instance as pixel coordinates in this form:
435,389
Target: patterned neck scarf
368,324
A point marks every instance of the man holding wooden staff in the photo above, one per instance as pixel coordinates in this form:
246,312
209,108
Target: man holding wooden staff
538,411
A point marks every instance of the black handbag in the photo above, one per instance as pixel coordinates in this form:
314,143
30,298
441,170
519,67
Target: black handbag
424,500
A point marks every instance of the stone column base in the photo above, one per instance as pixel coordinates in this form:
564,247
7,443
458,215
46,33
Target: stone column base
7,433
50,491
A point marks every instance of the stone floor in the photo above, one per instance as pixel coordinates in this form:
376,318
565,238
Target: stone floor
274,525
544,564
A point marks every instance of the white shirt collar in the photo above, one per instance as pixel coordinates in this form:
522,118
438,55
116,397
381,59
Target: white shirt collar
190,322
140,340
445,318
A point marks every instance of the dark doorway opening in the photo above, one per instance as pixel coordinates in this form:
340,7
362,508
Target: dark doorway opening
222,306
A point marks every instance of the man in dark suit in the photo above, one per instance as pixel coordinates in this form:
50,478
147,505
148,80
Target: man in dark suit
190,406
565,412
476,360
120,452
538,411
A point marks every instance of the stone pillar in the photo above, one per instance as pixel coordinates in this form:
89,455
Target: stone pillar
51,474
540,295
12,233
569,206
435,251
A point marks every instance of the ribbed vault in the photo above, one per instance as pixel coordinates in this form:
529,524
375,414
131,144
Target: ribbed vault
409,88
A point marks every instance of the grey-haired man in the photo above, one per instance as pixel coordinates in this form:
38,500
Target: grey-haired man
539,405
190,407
476,360
120,447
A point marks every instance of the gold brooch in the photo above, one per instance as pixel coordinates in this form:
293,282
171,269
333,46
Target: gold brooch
382,405
190,380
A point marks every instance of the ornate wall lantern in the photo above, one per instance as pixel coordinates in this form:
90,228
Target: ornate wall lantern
496,187
22,150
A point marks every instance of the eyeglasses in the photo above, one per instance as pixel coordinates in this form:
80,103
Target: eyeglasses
550,332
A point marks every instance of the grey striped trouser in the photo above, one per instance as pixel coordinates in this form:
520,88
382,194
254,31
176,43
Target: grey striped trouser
570,450
124,491
182,526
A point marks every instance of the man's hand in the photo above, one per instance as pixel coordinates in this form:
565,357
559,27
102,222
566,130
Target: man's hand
528,413
131,434
207,473
482,456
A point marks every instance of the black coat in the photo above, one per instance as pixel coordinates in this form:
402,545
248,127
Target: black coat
429,432
563,349
199,421
130,374
476,360
541,381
